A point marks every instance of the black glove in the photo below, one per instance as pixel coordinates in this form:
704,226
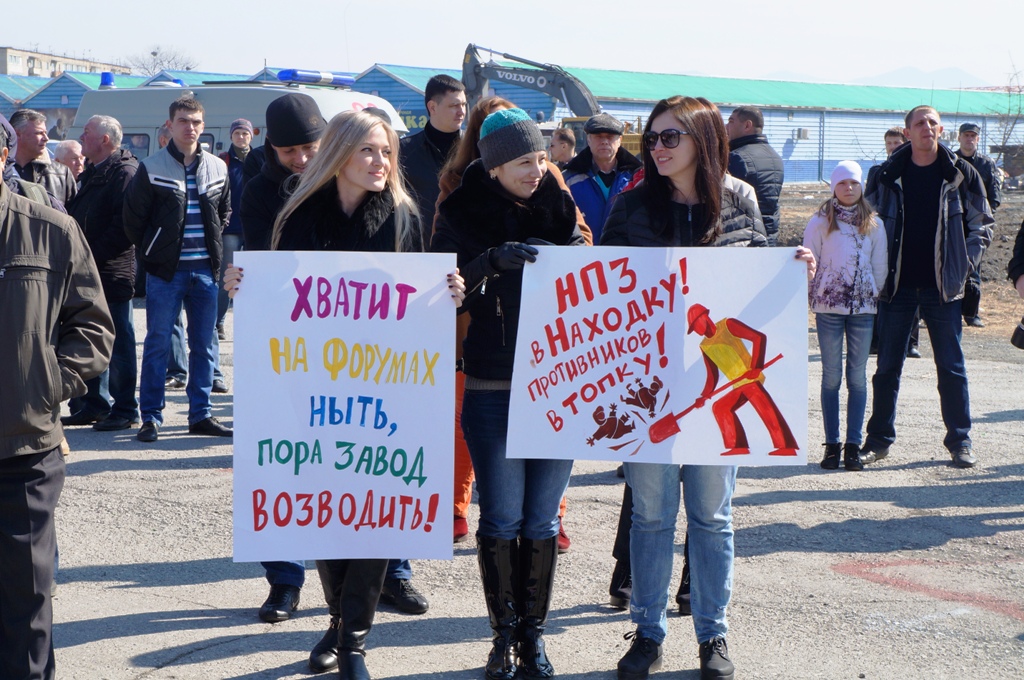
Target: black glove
512,255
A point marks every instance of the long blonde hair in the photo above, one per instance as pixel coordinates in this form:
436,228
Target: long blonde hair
344,134
865,221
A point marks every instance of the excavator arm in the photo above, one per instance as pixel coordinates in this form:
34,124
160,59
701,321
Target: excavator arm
547,78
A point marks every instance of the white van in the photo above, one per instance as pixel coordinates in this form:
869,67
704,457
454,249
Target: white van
142,111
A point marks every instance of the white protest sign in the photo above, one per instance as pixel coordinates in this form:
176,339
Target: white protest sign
344,406
681,355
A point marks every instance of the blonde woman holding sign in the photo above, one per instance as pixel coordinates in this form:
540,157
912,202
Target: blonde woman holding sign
351,198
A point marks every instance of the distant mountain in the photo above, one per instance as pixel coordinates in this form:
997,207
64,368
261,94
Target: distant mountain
945,79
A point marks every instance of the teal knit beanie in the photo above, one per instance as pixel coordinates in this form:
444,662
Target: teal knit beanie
507,135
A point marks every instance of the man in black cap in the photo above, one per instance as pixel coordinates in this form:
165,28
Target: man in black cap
990,177
294,127
601,171
753,160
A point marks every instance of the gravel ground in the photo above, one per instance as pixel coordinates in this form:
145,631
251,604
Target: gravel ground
910,569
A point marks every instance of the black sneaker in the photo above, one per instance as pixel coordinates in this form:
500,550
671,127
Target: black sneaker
174,384
963,458
714,660
403,596
210,427
219,386
280,603
869,455
643,657
149,432
831,459
621,588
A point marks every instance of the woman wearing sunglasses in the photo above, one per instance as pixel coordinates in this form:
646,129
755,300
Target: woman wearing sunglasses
686,199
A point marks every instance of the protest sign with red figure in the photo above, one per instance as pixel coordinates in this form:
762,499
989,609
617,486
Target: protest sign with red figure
618,352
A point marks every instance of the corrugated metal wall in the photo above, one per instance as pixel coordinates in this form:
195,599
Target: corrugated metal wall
812,143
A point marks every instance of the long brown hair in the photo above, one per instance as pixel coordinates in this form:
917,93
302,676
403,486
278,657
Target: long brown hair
466,152
703,121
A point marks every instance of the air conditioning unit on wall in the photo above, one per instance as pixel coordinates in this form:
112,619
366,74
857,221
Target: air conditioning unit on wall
801,133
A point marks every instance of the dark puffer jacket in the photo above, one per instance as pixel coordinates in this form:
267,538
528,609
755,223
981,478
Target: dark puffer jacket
754,161
629,222
990,177
262,199
1015,268
154,209
421,165
98,208
964,229
478,217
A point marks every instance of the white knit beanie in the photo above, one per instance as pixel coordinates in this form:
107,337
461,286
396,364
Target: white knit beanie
846,170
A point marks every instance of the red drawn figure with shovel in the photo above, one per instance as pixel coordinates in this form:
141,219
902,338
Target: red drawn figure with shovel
725,353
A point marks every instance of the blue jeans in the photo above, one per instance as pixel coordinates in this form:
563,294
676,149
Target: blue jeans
944,323
196,289
285,573
707,493
832,328
232,244
118,382
177,359
518,497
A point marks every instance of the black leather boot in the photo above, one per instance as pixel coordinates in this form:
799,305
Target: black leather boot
537,561
324,656
499,564
851,457
831,459
360,593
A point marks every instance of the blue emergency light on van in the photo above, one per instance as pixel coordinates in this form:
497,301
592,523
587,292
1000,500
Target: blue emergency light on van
292,75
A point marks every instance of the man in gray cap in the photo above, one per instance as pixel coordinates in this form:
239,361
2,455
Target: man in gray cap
601,171
968,137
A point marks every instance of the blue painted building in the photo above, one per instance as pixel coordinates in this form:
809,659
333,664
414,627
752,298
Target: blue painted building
14,89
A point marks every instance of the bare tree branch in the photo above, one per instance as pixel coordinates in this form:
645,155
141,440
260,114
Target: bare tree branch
160,59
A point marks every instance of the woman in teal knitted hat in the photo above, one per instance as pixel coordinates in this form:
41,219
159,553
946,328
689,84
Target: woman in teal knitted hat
506,202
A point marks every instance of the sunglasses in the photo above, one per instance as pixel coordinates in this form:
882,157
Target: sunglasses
669,138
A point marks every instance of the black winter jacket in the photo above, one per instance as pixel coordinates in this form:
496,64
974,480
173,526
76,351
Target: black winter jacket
629,222
754,161
964,228
475,219
262,199
1015,267
98,208
319,224
990,176
154,209
55,177
421,164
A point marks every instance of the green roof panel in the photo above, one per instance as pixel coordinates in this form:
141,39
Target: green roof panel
631,85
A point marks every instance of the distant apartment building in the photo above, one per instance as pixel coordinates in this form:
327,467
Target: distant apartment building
17,62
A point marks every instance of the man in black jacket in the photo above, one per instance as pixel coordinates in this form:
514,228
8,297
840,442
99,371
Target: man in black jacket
174,211
97,208
938,224
423,154
990,177
754,161
293,130
32,161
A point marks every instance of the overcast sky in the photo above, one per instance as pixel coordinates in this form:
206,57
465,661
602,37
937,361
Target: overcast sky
824,41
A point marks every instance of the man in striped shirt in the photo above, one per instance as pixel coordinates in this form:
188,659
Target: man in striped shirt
174,212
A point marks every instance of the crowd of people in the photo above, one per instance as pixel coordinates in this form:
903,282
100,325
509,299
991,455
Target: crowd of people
881,252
